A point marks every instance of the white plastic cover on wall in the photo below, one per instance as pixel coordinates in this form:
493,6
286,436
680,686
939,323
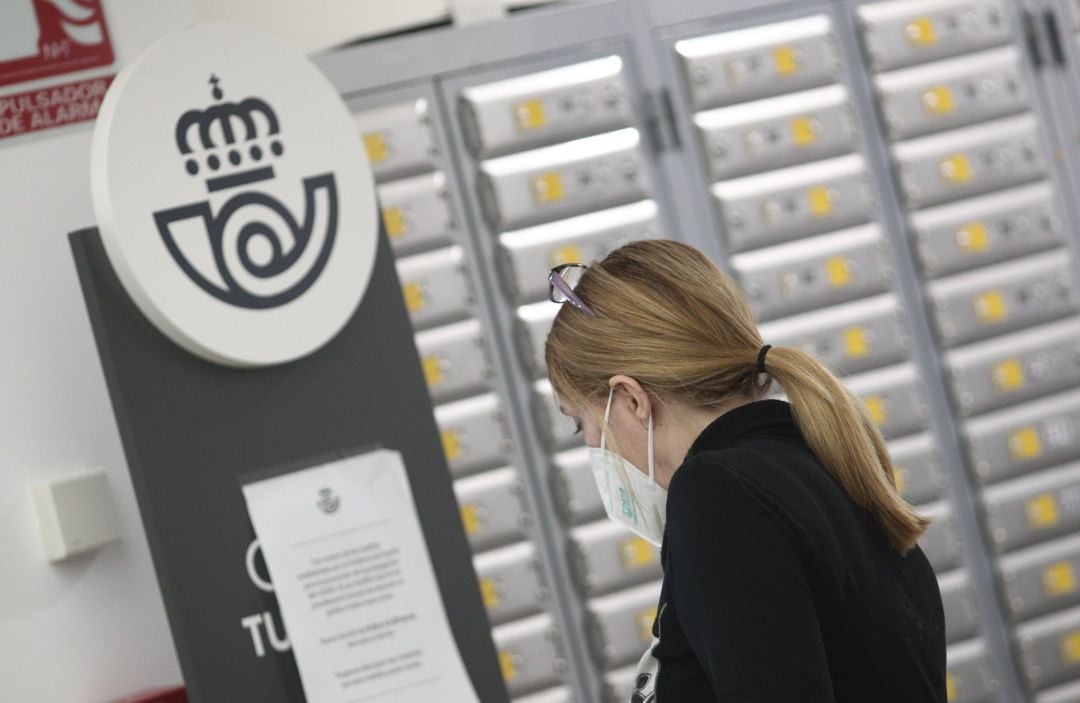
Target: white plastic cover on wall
313,27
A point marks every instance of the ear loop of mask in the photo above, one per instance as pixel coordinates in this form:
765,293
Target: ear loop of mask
603,442
607,414
652,468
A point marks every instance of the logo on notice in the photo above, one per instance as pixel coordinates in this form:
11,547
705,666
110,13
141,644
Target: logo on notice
263,256
328,502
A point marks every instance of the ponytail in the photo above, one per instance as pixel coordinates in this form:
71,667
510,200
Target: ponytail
842,434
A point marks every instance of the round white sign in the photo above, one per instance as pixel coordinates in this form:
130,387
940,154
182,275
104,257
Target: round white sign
233,197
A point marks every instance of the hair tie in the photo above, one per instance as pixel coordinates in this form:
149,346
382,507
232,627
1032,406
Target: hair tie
761,357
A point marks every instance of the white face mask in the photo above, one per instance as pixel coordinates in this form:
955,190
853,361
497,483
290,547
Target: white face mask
630,498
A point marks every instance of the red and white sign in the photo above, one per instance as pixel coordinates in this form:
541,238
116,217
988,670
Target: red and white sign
171,694
54,106
42,38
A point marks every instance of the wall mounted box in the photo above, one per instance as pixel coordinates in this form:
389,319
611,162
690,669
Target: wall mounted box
75,514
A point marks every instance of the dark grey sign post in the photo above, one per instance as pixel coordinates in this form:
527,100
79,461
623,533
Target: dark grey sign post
191,429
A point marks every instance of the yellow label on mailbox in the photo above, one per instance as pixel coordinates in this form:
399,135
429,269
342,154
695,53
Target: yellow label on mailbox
451,445
802,131
489,592
1025,443
569,254
548,188
878,413
939,100
394,220
529,114
956,169
645,622
470,519
507,666
838,271
899,478
921,32
1070,647
637,553
1008,375
414,296
990,307
1042,511
376,146
432,370
821,201
972,238
1059,578
855,342
787,60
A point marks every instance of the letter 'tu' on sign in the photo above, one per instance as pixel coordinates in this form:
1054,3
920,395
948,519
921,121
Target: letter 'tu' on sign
232,195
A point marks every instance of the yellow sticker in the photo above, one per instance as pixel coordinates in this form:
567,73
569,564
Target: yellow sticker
972,238
1025,443
1059,578
414,296
645,622
432,370
470,519
787,62
394,220
529,114
1008,375
939,100
569,254
637,553
1042,511
1070,647
990,307
878,413
855,342
548,188
950,686
838,271
451,445
802,131
820,201
956,169
507,666
921,32
489,593
899,478
376,146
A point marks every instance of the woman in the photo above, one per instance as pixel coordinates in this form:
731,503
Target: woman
791,570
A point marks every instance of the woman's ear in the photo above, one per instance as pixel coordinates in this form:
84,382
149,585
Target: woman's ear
640,403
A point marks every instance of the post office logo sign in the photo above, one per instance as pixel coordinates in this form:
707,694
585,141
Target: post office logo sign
233,196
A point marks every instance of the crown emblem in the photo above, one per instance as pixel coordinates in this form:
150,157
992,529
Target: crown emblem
328,502
237,140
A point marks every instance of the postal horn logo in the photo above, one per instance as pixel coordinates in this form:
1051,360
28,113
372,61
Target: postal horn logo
270,241
233,195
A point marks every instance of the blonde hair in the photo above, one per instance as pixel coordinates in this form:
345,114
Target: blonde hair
668,317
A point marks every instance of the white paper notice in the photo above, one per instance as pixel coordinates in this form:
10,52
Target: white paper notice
357,592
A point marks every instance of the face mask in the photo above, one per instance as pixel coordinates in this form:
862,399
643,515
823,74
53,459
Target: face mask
630,498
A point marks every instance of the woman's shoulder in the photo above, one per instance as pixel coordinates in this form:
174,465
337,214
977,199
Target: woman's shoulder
726,481
714,494
768,469
786,484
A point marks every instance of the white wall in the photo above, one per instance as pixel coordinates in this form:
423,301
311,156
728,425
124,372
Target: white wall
92,629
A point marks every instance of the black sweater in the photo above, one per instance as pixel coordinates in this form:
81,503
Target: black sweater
778,588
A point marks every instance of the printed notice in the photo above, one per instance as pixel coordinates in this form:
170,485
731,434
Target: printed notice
357,592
